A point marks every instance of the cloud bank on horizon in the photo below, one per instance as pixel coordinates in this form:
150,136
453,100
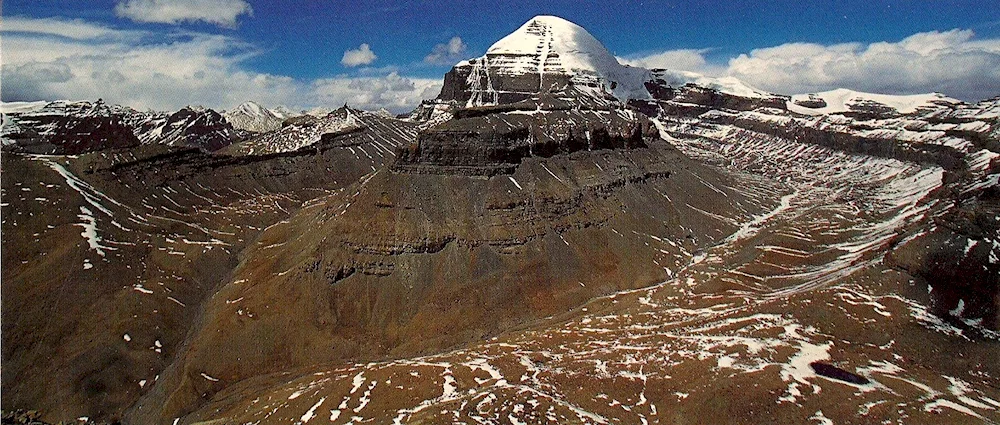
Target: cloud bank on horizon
167,65
951,62
47,59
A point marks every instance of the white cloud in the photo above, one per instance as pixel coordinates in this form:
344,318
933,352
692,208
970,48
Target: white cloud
168,71
393,92
951,62
680,60
219,12
363,55
447,53
75,29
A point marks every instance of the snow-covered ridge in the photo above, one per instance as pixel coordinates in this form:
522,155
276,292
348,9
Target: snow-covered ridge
844,100
385,133
82,126
79,108
727,85
22,107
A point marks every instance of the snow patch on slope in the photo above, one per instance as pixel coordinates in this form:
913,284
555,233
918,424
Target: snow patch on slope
844,100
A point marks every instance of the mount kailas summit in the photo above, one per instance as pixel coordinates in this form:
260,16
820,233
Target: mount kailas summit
556,238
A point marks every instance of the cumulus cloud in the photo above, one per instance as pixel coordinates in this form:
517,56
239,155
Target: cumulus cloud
447,53
363,55
681,60
168,71
951,62
393,92
218,12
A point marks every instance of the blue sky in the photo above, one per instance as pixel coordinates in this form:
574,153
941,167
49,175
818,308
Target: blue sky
164,54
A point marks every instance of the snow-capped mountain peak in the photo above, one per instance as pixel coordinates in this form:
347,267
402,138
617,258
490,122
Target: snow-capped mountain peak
563,46
251,107
551,54
251,116
552,49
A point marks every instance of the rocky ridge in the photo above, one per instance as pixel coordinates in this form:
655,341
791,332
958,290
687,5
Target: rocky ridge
68,128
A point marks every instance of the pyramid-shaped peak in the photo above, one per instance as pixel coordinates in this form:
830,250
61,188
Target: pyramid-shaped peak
546,54
552,36
250,106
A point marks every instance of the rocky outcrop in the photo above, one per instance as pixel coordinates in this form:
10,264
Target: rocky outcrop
692,99
492,140
70,128
812,102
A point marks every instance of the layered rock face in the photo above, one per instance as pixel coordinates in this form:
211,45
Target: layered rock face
403,264
494,140
955,249
493,219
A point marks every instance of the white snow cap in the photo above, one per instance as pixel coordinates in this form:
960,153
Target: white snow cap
549,44
253,117
251,108
577,49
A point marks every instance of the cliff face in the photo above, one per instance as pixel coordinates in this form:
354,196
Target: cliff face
492,140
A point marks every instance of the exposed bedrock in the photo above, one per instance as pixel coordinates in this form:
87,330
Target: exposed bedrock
118,250
493,140
957,259
403,264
